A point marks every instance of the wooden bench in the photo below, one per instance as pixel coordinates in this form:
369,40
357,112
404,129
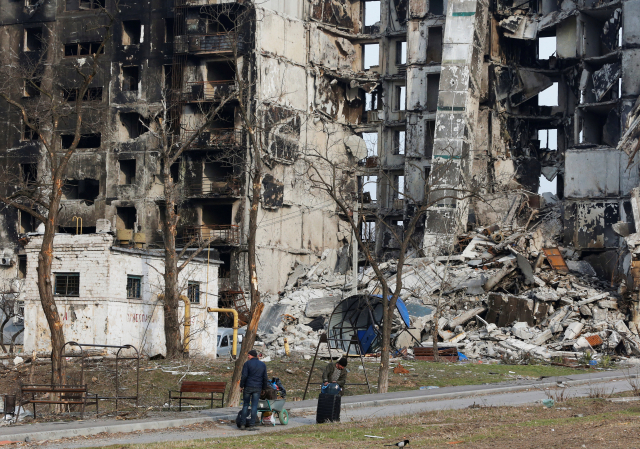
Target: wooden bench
199,387
446,354
68,395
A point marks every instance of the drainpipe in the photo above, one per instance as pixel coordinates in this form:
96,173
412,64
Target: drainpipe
235,326
187,323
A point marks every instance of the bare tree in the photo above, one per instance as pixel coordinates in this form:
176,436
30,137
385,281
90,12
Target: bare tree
336,177
58,118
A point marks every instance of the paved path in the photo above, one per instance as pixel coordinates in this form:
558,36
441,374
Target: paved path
303,412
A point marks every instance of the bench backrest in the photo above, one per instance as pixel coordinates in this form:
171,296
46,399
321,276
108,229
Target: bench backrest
203,387
53,389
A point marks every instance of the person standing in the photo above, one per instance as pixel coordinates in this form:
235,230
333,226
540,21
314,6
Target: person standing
254,378
336,373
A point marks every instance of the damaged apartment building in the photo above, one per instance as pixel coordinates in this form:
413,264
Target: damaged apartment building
495,94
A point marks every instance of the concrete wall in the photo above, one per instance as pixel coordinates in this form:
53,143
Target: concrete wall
102,314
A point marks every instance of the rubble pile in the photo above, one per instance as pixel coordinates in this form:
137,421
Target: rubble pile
506,292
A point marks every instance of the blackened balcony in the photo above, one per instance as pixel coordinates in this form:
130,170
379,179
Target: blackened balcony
220,138
228,186
208,90
218,234
218,43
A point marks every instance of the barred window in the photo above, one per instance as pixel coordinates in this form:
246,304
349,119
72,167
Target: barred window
193,292
67,284
134,284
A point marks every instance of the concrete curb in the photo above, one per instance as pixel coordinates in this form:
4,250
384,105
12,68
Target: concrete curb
168,423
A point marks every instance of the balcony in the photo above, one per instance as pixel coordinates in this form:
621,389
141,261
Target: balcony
218,234
210,43
226,186
213,138
208,90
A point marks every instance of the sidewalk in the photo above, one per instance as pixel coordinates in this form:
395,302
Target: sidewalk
57,430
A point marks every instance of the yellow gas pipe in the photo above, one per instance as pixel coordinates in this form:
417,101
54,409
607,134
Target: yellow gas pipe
235,325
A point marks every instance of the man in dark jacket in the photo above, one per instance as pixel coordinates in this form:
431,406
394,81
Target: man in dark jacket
254,379
336,373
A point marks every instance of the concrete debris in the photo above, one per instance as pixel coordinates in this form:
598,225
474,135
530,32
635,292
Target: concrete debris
497,297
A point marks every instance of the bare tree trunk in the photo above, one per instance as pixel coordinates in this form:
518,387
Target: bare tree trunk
13,340
256,306
4,323
387,316
45,285
171,294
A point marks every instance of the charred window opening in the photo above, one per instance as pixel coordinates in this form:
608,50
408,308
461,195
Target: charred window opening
168,31
433,88
434,45
131,32
436,7
398,141
126,217
370,56
27,222
167,71
130,78
127,172
91,94
22,267
86,140
429,135
32,39
30,134
224,271
216,214
132,125
175,172
29,173
401,52
83,189
82,49
220,71
77,5
401,98
31,87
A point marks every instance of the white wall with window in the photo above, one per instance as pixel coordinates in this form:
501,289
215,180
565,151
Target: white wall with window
110,295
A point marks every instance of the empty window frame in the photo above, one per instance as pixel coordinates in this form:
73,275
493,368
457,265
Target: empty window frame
548,139
22,266
433,87
429,135
67,284
131,32
193,292
370,55
27,222
168,31
371,141
91,94
29,173
372,101
130,78
32,39
368,231
434,45
401,52
369,188
86,140
132,125
127,172
546,47
134,287
398,187
126,217
31,87
29,134
167,72
82,189
76,49
549,96
371,12
436,7
401,98
398,141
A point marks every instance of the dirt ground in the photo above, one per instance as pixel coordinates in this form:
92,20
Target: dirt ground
576,423
157,377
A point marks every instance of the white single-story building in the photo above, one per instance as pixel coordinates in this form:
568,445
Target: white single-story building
109,295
